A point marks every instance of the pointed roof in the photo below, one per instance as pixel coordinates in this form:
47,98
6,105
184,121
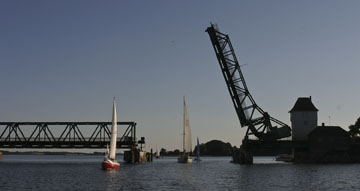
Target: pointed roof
303,104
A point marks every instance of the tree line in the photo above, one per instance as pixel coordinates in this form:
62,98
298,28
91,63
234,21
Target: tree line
210,148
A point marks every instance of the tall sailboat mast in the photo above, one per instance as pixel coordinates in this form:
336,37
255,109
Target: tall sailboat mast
184,126
113,133
187,131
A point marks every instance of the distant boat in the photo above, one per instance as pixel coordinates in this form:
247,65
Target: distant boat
109,162
185,155
197,158
157,154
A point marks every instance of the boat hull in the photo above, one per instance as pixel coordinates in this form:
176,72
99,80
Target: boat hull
110,165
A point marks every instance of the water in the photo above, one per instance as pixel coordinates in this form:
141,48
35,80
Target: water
33,172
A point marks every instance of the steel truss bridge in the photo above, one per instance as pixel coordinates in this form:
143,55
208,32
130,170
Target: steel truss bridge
42,135
259,123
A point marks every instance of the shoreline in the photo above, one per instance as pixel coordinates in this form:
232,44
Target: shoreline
52,153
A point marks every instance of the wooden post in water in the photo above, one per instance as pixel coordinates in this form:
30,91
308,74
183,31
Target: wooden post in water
0,155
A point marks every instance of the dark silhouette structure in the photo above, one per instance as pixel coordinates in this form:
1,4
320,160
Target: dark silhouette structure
327,144
326,139
258,122
303,117
12,135
250,114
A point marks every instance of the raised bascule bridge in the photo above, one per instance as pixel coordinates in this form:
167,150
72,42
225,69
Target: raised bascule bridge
264,132
65,135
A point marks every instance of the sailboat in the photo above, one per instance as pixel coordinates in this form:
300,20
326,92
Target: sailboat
185,155
157,154
197,158
109,162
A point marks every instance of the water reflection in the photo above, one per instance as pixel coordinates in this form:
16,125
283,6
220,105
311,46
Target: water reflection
111,178
166,174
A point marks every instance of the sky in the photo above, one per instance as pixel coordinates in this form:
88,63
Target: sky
66,60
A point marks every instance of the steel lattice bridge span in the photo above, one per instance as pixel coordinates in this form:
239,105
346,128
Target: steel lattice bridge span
66,135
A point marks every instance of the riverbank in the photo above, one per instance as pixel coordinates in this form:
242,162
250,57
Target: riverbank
50,153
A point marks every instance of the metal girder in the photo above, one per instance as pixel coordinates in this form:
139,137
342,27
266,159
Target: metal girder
42,129
13,133
248,112
71,137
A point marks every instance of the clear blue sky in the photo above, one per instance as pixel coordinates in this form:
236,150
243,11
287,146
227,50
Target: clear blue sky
65,60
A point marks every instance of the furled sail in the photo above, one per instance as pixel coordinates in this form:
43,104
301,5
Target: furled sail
187,131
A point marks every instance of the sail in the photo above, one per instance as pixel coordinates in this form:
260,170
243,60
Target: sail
113,133
157,154
187,131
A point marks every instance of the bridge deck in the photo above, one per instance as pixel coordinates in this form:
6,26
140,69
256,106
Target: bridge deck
63,144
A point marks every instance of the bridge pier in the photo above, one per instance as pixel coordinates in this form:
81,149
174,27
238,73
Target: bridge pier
242,156
137,156
250,148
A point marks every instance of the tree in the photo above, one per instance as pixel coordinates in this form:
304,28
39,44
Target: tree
355,130
176,152
162,152
215,148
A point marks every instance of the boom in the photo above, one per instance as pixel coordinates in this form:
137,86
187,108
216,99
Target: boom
249,113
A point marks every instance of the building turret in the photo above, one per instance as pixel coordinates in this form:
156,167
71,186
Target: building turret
303,117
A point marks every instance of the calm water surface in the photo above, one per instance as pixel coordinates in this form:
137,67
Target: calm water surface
33,172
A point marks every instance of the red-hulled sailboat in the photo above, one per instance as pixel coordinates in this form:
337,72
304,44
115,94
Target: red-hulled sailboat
109,162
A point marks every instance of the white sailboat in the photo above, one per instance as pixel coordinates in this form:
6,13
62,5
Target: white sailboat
157,154
185,156
109,162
